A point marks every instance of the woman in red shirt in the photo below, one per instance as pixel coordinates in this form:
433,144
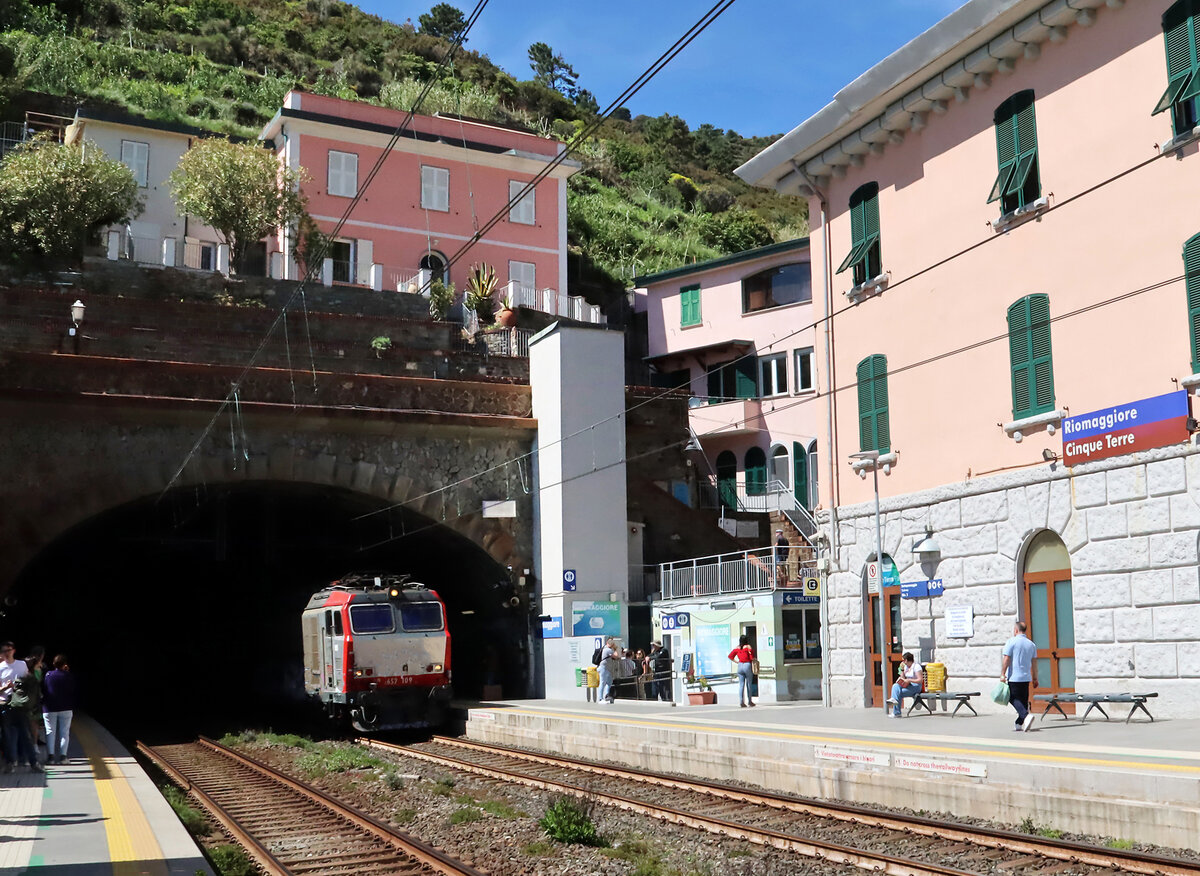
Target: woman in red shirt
743,654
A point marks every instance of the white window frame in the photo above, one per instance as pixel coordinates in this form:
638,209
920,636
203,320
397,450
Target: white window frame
517,271
435,188
524,211
797,355
342,180
140,168
352,273
776,365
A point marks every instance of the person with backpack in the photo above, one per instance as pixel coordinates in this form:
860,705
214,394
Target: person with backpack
14,710
607,665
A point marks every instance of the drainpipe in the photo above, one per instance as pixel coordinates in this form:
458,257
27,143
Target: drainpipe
826,696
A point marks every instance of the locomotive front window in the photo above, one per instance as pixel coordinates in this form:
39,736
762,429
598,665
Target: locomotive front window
421,617
372,618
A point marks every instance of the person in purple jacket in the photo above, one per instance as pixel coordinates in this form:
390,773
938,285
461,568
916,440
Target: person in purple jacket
58,705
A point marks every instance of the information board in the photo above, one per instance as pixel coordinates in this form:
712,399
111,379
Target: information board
960,621
712,649
596,619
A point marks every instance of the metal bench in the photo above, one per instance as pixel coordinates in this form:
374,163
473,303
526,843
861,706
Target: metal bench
924,697
1137,700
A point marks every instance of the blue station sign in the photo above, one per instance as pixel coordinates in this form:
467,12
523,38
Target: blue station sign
1140,425
921,589
678,620
800,599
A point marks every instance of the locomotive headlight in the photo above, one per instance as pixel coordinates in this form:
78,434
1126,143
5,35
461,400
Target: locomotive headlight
394,592
434,667
364,671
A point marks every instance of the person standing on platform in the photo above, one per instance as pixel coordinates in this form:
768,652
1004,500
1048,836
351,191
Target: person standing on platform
14,720
660,662
1018,666
743,655
908,684
608,663
58,707
781,555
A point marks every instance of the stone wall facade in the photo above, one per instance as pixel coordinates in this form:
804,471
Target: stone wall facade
1131,526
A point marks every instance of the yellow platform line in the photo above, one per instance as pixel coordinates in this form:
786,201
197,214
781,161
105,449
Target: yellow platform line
609,718
132,847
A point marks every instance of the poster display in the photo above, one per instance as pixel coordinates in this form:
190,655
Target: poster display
960,621
712,649
596,619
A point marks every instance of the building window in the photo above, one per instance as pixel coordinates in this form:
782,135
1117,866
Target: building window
1018,182
1191,270
804,370
1183,66
756,472
801,634
136,156
523,275
343,174
342,253
689,306
522,212
1029,350
874,430
732,380
435,188
786,284
864,257
772,373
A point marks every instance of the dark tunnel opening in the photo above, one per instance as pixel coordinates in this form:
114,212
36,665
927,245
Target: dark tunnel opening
182,615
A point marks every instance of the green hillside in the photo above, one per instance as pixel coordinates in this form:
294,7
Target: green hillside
654,193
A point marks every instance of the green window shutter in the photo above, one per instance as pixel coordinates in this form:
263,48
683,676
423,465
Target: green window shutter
866,415
756,471
1016,150
864,228
1018,351
1191,269
746,377
689,306
1183,64
1040,357
883,430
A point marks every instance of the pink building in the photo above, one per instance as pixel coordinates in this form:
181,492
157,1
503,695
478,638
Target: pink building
443,180
716,327
1003,215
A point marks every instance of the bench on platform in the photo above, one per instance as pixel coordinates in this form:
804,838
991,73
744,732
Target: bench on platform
1137,700
926,698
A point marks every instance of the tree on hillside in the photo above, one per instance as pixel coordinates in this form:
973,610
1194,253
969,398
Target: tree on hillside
240,189
443,21
53,198
552,70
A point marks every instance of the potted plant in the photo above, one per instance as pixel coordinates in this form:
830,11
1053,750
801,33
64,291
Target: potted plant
381,345
705,696
481,284
506,316
441,299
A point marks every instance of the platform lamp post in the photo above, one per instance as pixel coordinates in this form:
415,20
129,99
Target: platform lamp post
76,318
872,456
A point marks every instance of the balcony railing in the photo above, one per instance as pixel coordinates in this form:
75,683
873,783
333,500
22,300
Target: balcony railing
757,498
752,571
551,302
721,417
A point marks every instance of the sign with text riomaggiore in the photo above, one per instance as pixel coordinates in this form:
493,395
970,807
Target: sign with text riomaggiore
1140,425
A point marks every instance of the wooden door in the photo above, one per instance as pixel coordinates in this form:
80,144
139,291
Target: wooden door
884,668
1049,613
727,479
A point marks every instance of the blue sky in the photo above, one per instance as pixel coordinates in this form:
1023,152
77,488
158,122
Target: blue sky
761,68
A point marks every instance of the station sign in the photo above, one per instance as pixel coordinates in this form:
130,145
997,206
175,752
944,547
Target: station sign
800,599
921,589
553,628
569,580
1140,425
676,621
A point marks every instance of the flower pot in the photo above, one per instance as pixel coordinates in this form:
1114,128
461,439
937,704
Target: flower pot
702,697
506,317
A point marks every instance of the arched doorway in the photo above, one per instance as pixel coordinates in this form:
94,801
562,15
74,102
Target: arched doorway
727,479
800,481
886,643
1048,609
779,467
756,471
814,495
435,263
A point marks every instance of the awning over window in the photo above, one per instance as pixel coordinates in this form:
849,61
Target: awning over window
734,347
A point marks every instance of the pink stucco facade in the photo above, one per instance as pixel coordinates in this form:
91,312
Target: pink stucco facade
399,226
778,415
1119,216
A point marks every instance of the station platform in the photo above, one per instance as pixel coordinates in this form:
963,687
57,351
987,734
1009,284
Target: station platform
1138,781
98,814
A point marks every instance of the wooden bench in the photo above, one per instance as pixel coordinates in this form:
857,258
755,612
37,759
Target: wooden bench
1137,700
925,697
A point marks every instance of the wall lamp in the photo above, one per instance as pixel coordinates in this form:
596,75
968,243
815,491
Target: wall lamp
1049,455
77,310
1192,424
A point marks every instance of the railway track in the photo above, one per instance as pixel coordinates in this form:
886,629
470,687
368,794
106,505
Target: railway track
839,833
289,827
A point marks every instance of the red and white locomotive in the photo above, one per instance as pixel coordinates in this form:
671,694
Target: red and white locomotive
377,652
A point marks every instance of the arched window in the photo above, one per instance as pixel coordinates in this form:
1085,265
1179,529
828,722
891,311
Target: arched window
1049,612
756,472
435,263
779,464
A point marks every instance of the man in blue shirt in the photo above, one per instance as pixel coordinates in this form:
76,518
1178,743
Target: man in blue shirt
1019,668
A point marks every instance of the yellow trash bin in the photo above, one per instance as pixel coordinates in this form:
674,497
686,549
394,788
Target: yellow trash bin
935,677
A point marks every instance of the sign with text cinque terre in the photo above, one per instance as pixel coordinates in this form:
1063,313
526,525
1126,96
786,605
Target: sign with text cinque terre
1139,425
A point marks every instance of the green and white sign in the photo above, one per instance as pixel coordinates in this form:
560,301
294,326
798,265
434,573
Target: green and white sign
596,619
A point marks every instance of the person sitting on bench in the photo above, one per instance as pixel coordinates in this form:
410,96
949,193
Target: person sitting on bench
908,684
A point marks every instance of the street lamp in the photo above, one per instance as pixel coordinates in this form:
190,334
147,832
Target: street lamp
872,456
76,318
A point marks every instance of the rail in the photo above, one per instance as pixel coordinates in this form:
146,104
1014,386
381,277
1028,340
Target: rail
750,571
